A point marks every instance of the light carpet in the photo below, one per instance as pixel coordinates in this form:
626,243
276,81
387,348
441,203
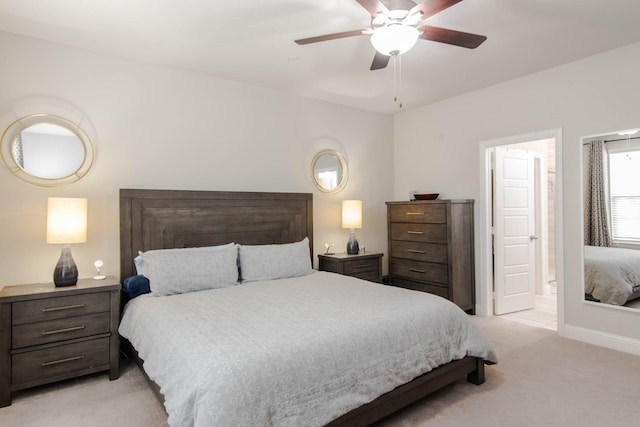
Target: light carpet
540,380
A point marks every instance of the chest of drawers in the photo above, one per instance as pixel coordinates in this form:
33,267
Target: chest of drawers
366,266
431,248
49,334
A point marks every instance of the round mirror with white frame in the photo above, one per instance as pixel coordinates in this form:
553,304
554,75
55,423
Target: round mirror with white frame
46,150
329,171
611,203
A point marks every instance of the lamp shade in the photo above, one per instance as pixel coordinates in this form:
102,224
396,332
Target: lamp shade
394,39
66,220
352,214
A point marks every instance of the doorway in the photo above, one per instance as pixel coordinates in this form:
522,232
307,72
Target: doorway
530,238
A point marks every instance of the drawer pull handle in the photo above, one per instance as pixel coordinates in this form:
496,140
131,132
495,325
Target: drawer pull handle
65,307
415,213
361,266
60,331
415,232
68,359
413,251
415,270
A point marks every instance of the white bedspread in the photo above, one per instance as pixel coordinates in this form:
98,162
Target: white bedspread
292,352
611,275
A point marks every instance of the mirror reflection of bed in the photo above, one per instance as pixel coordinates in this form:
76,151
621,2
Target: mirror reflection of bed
611,199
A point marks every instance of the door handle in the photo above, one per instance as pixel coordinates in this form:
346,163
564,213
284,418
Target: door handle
533,237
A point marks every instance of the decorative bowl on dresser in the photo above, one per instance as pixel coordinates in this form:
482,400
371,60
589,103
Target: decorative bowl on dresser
426,196
50,333
431,248
367,266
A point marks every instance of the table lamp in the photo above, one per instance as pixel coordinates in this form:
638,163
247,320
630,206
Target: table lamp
352,219
66,224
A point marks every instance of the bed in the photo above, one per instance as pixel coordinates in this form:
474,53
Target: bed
611,275
310,349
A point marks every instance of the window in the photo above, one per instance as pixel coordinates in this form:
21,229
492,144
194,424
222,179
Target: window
624,185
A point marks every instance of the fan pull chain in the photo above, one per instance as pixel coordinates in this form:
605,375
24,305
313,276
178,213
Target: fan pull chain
397,79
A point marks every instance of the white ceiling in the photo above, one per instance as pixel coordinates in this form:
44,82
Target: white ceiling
251,41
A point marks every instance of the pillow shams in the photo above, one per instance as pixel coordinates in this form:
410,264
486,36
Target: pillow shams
268,262
179,271
139,263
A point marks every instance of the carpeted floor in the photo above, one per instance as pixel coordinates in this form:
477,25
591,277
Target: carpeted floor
540,380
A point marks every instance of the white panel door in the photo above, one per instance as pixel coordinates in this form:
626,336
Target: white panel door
514,227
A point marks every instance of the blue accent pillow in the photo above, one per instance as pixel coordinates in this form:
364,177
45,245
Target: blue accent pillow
135,286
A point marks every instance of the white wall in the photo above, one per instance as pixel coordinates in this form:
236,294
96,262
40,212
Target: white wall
437,147
168,129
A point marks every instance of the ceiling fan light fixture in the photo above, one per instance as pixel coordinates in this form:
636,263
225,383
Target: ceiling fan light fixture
394,39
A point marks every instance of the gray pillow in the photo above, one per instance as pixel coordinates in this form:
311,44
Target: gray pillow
179,271
139,263
268,262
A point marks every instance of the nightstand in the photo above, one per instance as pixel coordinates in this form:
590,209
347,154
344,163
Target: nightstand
367,266
49,334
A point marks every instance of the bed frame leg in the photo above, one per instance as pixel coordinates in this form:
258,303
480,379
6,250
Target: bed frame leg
477,377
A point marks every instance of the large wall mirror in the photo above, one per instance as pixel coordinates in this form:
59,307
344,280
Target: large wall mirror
611,202
329,171
46,150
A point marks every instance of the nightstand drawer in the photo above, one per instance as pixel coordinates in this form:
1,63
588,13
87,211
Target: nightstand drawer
31,334
59,362
418,212
431,233
367,266
59,307
356,266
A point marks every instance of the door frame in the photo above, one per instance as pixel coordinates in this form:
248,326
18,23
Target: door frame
484,291
541,172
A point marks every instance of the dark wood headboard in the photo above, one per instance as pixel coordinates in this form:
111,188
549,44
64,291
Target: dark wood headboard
165,219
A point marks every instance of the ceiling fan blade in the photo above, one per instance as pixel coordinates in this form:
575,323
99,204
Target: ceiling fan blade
374,6
330,37
453,37
431,7
379,61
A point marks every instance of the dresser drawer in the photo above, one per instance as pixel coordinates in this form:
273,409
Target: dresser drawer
418,212
59,362
431,252
59,307
353,267
441,291
428,233
371,276
30,334
422,271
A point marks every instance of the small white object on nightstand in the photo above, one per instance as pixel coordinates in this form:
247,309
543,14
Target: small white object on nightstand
98,264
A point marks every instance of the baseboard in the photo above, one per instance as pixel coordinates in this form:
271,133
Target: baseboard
603,339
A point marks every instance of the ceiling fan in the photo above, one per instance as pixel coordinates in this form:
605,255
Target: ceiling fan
396,25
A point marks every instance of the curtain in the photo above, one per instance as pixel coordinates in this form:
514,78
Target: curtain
596,212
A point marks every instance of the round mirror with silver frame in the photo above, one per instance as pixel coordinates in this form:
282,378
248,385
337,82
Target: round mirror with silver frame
46,150
329,171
